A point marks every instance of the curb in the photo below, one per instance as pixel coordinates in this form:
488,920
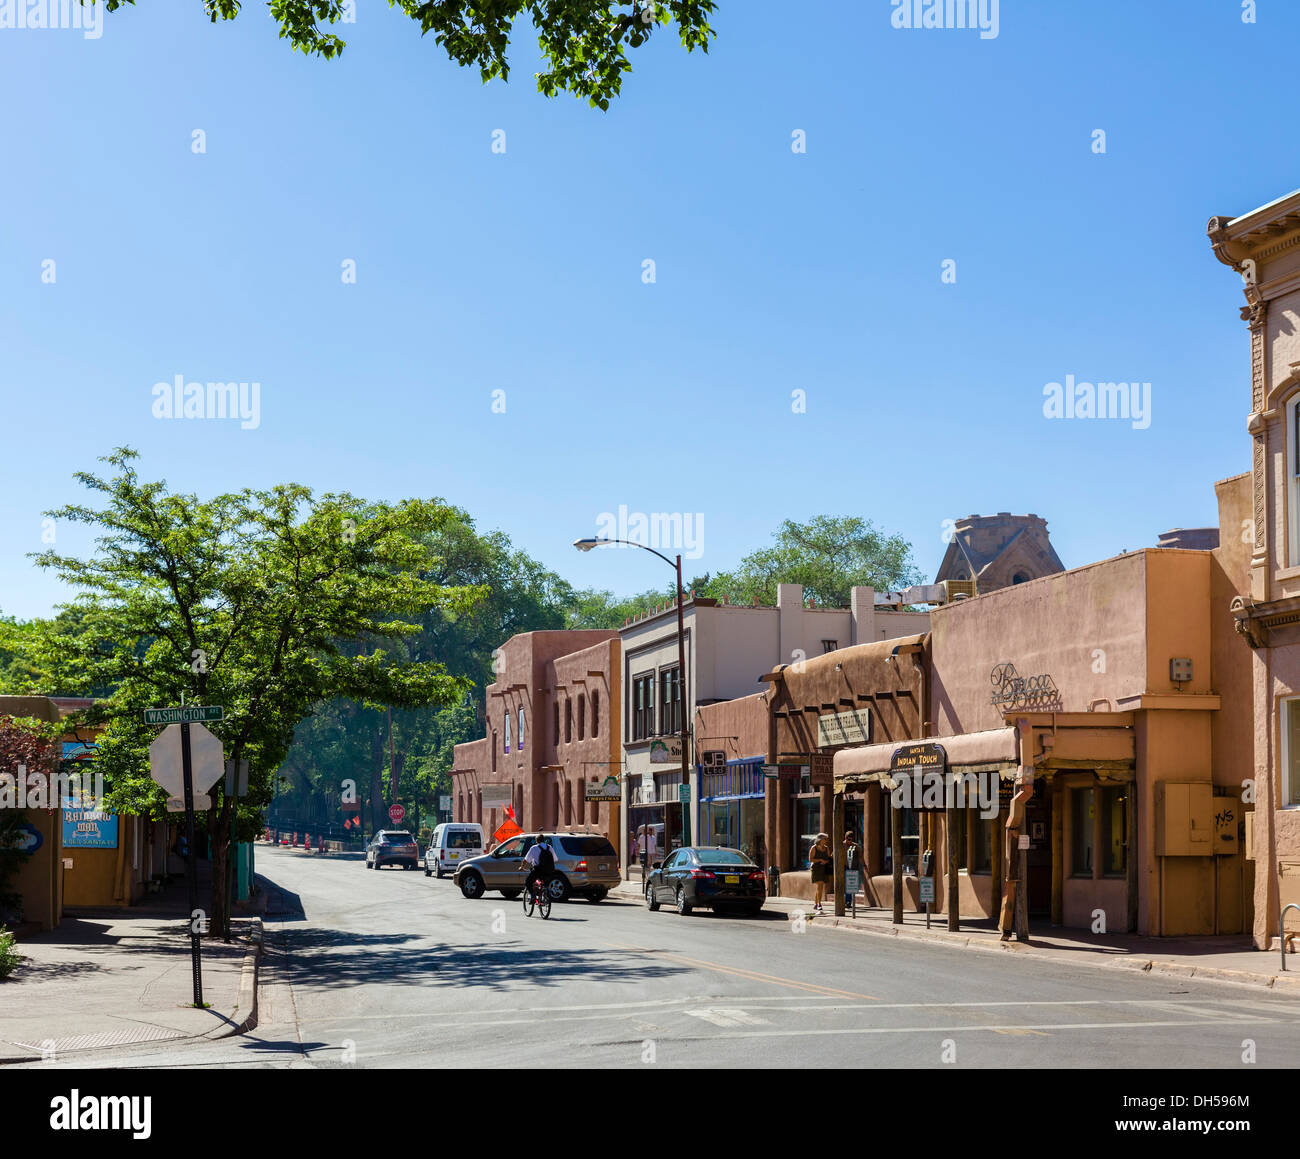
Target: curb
1276,982
247,985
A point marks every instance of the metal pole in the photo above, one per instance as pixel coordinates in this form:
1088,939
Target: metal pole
191,866
681,688
1281,928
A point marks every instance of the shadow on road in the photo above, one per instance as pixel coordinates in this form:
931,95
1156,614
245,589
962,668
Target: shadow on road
332,959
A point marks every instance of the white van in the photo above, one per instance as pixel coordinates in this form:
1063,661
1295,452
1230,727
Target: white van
450,844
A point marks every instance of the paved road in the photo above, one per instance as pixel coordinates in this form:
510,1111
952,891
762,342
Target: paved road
393,969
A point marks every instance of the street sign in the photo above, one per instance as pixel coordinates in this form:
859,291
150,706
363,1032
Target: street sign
927,889
852,880
206,757
684,794
821,770
444,802
396,813
240,783
187,715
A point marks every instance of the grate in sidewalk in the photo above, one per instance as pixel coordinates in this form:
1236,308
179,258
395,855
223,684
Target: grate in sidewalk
107,1038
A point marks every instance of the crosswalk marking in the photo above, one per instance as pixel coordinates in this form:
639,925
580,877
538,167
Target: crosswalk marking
727,1016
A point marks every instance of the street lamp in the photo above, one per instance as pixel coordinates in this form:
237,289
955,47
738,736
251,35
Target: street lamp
586,545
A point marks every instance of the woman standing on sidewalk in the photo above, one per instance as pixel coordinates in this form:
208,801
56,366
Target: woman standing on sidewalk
819,862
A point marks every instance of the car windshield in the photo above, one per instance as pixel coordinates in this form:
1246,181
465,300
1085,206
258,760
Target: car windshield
587,846
722,857
462,839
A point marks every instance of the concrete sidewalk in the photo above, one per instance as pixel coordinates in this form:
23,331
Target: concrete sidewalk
1224,959
112,978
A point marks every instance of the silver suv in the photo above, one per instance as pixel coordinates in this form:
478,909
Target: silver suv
585,863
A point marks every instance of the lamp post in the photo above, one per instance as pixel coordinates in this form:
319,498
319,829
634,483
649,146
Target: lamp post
587,545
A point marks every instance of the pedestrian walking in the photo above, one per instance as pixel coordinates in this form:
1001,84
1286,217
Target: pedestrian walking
820,862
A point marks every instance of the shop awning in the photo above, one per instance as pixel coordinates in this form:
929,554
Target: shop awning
867,763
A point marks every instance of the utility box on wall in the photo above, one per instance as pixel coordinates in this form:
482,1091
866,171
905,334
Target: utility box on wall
1185,819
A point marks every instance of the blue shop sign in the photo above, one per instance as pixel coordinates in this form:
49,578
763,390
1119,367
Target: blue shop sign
85,829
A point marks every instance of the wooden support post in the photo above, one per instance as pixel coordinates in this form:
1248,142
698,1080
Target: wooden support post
953,818
837,844
896,853
1057,797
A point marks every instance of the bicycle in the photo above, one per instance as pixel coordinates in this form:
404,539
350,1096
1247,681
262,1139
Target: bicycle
538,897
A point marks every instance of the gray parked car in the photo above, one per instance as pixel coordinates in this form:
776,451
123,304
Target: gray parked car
585,864
392,847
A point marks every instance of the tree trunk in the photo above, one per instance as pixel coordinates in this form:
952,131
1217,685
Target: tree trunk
219,841
378,765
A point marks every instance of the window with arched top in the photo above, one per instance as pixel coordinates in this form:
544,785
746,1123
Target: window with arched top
1020,578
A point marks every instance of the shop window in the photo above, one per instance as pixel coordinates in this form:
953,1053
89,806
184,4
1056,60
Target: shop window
643,706
595,714
1291,752
959,832
983,842
911,838
1114,826
807,824
1081,818
521,730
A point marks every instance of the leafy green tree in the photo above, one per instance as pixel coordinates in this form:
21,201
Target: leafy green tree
828,555
584,43
243,601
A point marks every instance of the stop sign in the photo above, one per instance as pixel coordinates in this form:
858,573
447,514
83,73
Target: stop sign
396,813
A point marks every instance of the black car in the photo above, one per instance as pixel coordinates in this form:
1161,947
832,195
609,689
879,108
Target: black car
707,876
392,847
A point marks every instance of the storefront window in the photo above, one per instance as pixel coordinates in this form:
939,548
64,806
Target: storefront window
983,844
807,822
911,838
1081,817
1114,825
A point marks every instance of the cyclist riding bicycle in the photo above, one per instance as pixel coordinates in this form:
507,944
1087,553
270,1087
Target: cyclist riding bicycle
541,863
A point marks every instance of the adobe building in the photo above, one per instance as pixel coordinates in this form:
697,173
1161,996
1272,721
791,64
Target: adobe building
728,649
81,859
1263,248
1096,690
553,739
998,551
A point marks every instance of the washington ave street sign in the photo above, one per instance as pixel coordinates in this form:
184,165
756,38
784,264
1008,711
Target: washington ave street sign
196,712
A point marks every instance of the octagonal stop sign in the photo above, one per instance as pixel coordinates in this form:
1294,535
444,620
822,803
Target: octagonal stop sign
207,761
396,813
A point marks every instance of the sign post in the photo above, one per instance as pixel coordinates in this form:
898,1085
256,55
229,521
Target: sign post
162,769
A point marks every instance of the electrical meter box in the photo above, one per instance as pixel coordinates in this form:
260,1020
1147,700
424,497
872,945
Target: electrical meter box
1185,819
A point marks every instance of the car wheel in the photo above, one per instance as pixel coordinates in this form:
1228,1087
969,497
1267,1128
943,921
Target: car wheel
437,871
596,895
427,871
651,902
683,906
471,885
558,888
511,894
370,865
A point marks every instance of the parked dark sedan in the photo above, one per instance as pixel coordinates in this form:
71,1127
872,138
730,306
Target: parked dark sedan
709,877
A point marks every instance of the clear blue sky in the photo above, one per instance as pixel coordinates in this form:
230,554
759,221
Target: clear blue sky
522,272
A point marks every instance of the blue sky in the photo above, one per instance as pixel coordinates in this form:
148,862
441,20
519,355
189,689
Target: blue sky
522,271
